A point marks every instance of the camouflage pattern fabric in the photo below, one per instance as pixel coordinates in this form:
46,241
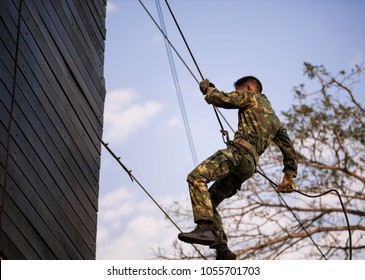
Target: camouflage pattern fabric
257,123
229,168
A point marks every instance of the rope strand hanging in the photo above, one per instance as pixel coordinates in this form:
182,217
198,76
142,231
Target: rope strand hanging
177,86
274,185
223,131
134,179
216,110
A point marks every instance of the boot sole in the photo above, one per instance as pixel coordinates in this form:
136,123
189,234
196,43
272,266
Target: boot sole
195,240
227,255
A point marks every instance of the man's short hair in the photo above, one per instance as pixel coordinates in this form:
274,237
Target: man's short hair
253,81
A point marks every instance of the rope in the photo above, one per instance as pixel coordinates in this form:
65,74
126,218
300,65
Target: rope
274,185
223,131
177,86
183,37
167,39
343,209
216,110
133,178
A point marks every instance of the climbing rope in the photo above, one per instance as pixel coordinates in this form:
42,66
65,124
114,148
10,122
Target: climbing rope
216,110
225,134
177,86
134,179
274,185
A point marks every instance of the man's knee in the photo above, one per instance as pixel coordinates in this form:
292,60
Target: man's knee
194,178
191,178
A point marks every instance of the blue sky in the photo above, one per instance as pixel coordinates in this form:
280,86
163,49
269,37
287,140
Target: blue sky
143,122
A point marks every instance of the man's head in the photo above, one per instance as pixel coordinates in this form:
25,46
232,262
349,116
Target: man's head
248,83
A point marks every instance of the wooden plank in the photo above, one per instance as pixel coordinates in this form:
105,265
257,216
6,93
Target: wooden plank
24,216
95,17
75,39
4,120
5,102
6,70
54,158
100,6
60,124
70,54
45,44
38,206
61,113
15,235
67,90
5,98
94,31
86,41
2,164
98,58
7,55
8,248
2,154
67,184
29,112
8,38
9,14
63,218
38,173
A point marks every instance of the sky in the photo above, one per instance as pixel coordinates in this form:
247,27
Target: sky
143,123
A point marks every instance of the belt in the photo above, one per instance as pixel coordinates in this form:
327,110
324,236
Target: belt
248,147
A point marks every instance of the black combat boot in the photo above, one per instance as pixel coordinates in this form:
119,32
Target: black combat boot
202,235
224,253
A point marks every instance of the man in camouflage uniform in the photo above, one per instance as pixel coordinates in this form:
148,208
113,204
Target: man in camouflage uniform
258,126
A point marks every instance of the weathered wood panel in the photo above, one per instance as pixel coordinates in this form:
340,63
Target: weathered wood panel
51,114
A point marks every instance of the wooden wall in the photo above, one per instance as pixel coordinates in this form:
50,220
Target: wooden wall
51,115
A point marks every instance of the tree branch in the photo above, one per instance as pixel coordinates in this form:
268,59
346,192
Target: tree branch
299,235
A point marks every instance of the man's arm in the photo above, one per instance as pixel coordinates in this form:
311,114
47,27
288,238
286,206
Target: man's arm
231,100
285,145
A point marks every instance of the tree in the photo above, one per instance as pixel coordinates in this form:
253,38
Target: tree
327,127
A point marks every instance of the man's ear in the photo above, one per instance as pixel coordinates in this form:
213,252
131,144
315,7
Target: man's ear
241,88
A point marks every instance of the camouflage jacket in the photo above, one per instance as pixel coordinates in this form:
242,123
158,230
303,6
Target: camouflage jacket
257,123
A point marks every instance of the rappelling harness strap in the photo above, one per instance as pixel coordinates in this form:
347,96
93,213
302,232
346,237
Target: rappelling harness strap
247,146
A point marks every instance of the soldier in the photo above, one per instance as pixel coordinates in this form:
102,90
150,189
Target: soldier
258,126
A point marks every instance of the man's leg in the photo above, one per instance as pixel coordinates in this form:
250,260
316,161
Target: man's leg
215,167
222,189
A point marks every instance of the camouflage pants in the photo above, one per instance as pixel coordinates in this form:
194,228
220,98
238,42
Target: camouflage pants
228,168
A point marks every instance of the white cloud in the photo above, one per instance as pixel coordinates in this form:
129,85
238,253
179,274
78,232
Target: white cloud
117,204
111,7
173,122
129,226
123,117
138,238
